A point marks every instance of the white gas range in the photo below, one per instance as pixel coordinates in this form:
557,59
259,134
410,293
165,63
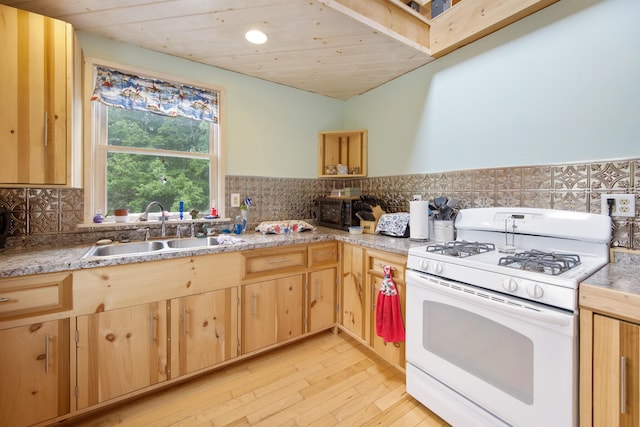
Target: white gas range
492,317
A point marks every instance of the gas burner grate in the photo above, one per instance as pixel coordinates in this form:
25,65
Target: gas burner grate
542,262
461,248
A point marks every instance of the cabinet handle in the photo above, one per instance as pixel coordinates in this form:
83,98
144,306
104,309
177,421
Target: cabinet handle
185,319
46,128
253,306
5,299
373,296
324,253
377,264
46,354
277,261
317,291
152,332
623,385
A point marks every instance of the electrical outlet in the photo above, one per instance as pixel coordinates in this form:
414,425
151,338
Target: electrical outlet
417,197
235,200
623,204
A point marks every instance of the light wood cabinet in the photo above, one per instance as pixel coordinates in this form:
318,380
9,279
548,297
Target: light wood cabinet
616,374
376,260
362,276
35,295
609,357
121,351
353,290
272,312
346,147
322,286
36,82
34,372
321,299
203,330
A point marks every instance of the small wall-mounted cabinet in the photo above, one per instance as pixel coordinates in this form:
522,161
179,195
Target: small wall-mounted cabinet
342,154
36,82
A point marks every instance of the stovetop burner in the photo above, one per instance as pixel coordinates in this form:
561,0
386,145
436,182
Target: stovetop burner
542,262
461,248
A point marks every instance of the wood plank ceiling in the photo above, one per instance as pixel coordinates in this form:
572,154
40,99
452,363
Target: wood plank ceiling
313,45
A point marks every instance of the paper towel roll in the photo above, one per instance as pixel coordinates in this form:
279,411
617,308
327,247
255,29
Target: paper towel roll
419,220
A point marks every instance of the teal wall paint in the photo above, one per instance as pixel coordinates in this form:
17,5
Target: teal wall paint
560,86
270,129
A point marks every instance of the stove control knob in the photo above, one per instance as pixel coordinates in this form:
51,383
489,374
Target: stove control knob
438,267
510,285
535,291
424,265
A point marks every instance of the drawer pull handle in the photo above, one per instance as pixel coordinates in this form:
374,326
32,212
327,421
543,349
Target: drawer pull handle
253,306
185,320
46,129
152,327
377,264
325,253
623,385
46,354
5,299
277,261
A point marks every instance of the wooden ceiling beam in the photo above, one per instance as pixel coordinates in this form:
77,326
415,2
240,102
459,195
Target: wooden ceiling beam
470,20
390,17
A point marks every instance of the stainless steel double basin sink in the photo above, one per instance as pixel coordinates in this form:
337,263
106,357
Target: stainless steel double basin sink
153,246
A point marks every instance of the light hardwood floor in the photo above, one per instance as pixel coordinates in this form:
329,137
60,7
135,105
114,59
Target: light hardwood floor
325,380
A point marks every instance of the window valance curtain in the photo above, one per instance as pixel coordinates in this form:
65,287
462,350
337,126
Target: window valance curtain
130,92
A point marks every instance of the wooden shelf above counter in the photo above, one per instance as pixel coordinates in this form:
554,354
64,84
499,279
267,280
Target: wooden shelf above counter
345,147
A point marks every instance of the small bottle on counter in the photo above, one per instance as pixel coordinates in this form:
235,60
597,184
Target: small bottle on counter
98,218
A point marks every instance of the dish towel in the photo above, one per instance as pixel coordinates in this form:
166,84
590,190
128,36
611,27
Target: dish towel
389,324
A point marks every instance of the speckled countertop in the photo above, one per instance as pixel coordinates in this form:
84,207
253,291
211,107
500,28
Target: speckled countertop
22,262
622,274
614,290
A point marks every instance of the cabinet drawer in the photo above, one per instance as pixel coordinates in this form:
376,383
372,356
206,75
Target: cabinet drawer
377,260
260,263
35,295
323,254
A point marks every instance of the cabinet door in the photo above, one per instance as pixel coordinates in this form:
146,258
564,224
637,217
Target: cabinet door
35,82
272,312
321,308
616,374
393,352
206,330
353,289
34,372
121,351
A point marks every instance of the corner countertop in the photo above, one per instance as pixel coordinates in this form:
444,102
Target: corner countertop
615,288
23,262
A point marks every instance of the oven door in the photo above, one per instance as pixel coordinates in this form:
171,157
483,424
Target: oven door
514,359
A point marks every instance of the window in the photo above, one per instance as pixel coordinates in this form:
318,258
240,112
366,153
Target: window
153,140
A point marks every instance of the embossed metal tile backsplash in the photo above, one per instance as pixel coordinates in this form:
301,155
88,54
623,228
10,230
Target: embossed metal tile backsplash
50,216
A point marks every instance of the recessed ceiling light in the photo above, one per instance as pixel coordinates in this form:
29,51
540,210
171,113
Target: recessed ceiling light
256,37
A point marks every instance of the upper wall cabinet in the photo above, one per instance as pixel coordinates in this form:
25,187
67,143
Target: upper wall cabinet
342,154
36,83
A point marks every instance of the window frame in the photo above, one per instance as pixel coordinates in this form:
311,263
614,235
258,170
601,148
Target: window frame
96,144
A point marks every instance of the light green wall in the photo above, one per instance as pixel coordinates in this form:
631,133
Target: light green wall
269,129
560,86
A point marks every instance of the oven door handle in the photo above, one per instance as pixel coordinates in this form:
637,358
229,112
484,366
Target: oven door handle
484,298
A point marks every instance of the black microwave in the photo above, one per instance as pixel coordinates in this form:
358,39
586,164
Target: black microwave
337,212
